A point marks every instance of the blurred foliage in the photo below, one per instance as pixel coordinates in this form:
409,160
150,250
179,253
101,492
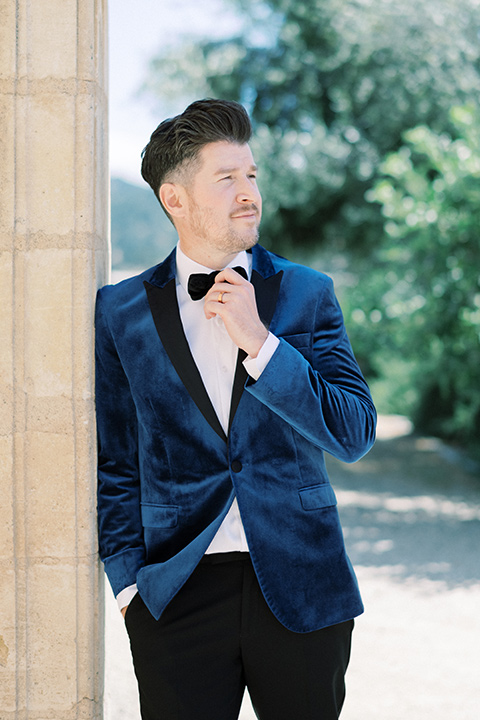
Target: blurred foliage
423,294
330,85
142,235
368,173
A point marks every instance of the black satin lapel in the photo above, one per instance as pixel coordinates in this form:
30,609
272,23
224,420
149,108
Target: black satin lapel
166,316
266,294
238,385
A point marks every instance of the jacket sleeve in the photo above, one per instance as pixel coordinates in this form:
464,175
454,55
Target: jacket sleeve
121,542
325,397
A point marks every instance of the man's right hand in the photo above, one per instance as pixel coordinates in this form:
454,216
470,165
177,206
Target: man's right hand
123,611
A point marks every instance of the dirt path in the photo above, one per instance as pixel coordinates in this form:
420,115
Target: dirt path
412,526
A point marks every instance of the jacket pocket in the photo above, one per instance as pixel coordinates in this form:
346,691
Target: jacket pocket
300,340
154,515
317,497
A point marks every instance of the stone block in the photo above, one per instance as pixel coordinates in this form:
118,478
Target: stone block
7,39
6,335
50,163
56,21
8,636
83,320
50,414
7,162
50,502
48,324
90,617
86,170
93,43
102,265
6,505
52,637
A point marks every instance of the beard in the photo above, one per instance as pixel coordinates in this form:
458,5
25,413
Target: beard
223,236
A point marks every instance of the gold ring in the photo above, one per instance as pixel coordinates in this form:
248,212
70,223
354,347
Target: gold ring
220,296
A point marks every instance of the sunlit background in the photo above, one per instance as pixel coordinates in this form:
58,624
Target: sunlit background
367,134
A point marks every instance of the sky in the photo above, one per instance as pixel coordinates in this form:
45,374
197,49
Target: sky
136,32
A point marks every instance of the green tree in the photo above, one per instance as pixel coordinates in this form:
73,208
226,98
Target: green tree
424,295
331,85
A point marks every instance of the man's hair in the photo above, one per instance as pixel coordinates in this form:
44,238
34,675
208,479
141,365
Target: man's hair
176,143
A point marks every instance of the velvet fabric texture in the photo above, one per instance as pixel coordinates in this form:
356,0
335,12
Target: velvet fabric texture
167,473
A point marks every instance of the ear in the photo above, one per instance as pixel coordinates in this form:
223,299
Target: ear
172,198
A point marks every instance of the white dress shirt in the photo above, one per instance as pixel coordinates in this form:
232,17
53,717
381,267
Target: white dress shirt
215,355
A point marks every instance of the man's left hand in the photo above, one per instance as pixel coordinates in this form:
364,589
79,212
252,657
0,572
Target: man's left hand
233,299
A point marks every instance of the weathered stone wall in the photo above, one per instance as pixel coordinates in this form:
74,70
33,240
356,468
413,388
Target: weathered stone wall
54,209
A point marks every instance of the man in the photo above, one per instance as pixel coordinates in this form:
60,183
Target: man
217,395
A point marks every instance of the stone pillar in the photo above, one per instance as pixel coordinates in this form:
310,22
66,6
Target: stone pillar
54,209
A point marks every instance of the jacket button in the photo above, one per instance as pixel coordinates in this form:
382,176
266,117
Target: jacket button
236,466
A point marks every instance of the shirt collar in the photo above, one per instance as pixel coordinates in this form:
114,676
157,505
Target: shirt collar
186,266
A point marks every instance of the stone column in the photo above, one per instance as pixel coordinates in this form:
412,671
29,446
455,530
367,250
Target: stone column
54,209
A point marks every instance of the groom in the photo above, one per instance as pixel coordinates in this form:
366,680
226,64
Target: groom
223,375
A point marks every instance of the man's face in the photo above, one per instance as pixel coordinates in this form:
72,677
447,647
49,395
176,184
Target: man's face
224,204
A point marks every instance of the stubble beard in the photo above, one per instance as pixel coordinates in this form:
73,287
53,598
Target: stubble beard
236,242
225,239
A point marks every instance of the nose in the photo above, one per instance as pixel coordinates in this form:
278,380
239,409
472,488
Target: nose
248,192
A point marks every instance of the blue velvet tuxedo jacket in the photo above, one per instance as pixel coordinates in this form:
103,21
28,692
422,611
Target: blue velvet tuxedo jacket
168,473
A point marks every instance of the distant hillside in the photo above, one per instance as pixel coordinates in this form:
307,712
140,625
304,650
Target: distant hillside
141,232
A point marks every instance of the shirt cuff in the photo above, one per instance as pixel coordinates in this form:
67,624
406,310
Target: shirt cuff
255,366
126,595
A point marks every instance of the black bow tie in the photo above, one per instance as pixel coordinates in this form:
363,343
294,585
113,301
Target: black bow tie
200,283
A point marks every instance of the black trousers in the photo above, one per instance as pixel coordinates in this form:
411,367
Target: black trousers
217,636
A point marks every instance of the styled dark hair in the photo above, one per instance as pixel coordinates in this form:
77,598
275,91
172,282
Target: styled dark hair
177,141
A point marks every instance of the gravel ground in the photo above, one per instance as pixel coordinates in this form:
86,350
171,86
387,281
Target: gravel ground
411,515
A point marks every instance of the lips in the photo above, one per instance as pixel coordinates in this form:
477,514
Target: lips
250,212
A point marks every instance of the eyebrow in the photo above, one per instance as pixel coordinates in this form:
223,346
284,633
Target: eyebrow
227,171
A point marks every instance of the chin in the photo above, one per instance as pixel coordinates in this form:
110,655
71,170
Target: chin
236,243
250,240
